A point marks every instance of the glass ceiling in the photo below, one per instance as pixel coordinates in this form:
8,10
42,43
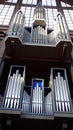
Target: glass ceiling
12,1
7,11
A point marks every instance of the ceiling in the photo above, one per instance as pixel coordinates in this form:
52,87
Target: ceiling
66,1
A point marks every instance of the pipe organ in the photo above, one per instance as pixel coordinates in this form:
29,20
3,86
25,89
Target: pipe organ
33,90
60,28
33,99
17,26
56,41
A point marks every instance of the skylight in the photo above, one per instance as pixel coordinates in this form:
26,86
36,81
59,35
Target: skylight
69,18
6,12
65,5
29,2
11,1
49,2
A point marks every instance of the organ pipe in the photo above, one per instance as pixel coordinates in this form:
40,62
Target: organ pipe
36,102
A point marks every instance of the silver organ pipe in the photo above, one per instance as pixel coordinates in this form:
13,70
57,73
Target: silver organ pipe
33,101
16,102
40,101
36,35
38,13
20,82
33,34
15,31
8,91
9,96
61,91
61,94
21,26
42,13
64,94
61,27
13,28
66,28
56,95
13,88
44,35
57,30
67,96
41,36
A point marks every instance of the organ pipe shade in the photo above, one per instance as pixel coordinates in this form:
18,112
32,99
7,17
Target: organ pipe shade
26,102
13,88
48,103
60,28
39,15
62,96
13,91
17,25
